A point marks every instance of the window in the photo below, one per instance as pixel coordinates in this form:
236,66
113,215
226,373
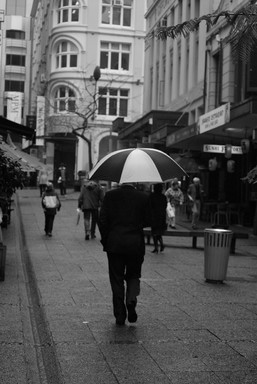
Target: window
114,56
13,34
16,7
66,55
18,60
68,11
117,12
113,101
14,86
64,100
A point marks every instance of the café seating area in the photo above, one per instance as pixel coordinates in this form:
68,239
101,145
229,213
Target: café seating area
222,213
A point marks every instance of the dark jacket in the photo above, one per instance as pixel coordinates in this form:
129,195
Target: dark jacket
158,203
53,210
124,214
91,196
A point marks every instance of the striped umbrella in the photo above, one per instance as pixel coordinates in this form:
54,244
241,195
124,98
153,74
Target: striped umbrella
137,165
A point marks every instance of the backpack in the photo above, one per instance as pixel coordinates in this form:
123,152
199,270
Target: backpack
50,201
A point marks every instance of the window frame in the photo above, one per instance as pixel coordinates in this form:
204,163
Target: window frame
117,8
113,102
15,34
68,55
11,60
108,53
10,86
65,12
60,102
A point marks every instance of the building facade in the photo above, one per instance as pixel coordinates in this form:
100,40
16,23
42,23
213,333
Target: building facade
15,54
215,93
75,102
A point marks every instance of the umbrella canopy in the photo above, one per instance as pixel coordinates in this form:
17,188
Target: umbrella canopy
137,165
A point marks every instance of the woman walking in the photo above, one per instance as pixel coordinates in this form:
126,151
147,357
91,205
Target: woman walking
158,204
51,204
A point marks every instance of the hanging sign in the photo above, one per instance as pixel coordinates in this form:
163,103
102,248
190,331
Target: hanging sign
214,148
214,118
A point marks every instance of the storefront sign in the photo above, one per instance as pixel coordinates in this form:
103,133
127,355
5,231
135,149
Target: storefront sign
213,148
214,118
182,134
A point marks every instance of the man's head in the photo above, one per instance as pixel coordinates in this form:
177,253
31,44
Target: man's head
196,180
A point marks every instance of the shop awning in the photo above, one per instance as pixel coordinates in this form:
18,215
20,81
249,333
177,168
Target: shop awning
18,129
27,162
243,118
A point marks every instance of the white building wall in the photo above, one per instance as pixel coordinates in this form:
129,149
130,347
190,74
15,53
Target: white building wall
87,35
184,57
20,47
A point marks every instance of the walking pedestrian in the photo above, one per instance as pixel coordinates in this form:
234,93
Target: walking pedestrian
42,180
62,179
158,204
175,197
123,215
195,193
51,204
89,201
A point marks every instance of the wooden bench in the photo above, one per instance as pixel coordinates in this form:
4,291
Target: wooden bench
195,234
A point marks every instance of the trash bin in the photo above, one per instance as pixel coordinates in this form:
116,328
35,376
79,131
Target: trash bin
216,254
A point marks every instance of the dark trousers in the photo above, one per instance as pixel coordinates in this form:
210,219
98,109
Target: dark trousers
90,220
62,188
124,268
42,188
49,221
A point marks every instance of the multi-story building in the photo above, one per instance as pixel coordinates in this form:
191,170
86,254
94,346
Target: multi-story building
15,54
75,103
213,93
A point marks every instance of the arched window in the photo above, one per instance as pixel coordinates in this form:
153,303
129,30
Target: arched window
64,100
68,11
66,55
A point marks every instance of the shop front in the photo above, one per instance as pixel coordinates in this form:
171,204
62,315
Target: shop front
223,144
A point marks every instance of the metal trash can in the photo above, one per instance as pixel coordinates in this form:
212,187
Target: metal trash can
216,254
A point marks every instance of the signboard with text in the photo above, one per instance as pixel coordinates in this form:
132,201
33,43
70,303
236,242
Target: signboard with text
214,118
214,148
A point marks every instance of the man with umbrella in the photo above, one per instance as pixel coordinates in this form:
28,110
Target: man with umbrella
124,214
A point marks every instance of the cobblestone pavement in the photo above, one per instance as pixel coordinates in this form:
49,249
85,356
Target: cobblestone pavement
56,314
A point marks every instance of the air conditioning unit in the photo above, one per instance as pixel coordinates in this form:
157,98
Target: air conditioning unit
42,78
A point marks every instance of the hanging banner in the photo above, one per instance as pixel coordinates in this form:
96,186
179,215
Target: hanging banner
14,106
40,129
214,118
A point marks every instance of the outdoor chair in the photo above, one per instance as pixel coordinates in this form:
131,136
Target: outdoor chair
221,216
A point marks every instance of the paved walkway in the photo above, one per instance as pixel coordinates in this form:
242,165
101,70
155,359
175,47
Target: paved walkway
56,319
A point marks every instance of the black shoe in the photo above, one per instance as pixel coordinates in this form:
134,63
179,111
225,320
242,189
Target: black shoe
93,236
162,248
120,322
155,250
49,234
132,315
87,237
173,227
